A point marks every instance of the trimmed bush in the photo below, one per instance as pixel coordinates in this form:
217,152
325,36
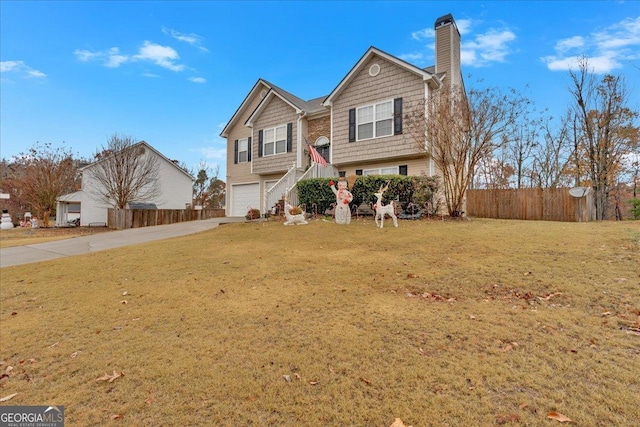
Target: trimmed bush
405,189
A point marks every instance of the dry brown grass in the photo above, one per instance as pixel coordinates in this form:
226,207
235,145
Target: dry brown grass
472,323
29,236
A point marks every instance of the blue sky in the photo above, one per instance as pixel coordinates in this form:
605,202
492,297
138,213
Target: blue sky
173,73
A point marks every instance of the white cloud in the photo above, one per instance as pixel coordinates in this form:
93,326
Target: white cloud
464,26
605,48
192,39
492,46
426,33
412,57
570,43
213,153
163,56
598,64
110,58
114,58
198,79
481,50
21,69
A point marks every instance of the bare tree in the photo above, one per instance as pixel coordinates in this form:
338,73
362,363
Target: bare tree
520,140
606,131
38,177
125,172
551,158
459,130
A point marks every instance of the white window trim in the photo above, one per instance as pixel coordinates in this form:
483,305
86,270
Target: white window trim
378,171
264,140
246,150
374,119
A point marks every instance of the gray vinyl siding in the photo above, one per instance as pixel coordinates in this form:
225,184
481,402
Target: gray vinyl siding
277,113
241,172
448,54
392,82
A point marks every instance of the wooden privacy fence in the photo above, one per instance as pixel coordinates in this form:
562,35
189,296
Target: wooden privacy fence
548,204
134,218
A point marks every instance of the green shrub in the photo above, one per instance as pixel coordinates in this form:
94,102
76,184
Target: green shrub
406,189
316,191
635,208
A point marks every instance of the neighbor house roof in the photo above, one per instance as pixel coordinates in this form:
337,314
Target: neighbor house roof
146,144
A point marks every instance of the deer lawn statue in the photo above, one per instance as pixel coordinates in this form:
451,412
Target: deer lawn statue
382,210
294,214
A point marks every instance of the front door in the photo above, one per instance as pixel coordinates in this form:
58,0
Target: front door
324,151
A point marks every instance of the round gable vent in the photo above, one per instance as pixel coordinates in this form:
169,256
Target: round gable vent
374,70
263,93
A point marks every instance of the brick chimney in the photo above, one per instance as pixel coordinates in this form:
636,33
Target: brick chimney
448,49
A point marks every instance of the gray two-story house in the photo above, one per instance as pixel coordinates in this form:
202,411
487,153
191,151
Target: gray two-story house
358,128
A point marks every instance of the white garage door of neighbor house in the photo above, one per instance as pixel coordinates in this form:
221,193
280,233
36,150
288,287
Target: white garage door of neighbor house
245,196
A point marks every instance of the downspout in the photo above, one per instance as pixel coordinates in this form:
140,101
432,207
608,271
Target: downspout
299,150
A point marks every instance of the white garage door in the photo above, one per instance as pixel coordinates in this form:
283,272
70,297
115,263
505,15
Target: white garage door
244,196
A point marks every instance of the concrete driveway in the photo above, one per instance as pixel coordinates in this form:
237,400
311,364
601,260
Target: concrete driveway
102,241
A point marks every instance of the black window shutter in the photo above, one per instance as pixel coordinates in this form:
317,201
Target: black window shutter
397,116
403,170
249,150
358,171
289,137
352,125
235,151
260,143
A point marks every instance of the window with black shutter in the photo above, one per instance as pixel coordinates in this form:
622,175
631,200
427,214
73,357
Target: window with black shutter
235,151
397,116
352,125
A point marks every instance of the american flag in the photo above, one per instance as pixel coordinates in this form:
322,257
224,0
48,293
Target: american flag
315,156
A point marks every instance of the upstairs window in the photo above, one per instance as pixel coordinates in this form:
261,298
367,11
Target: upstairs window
275,141
243,150
376,120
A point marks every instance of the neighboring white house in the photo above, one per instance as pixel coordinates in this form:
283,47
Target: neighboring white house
175,186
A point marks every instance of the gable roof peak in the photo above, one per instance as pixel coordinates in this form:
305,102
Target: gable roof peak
426,75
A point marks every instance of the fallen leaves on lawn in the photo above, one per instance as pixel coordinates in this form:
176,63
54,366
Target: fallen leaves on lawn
111,378
398,423
507,418
548,297
510,346
9,397
366,381
559,417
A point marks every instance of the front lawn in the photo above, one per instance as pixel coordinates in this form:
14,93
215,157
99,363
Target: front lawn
438,323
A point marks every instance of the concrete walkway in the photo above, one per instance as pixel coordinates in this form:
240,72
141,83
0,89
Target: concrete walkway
18,255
